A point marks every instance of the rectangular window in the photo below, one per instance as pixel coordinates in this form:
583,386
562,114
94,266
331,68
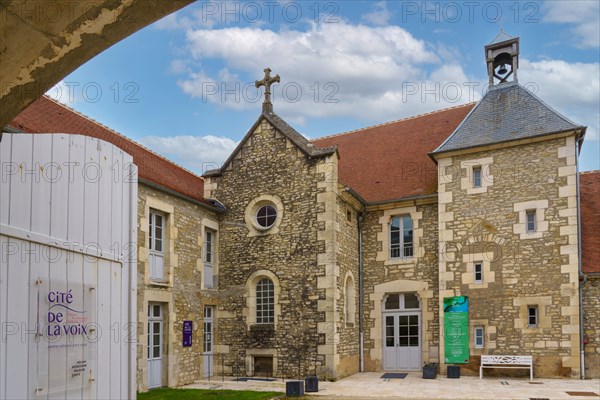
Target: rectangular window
156,245
401,237
532,316
531,223
478,269
477,177
479,337
209,257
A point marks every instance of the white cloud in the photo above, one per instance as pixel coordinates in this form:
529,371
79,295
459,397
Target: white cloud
197,153
380,14
573,89
366,69
582,14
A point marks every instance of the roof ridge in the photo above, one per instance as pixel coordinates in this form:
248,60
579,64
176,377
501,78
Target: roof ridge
594,171
393,122
120,134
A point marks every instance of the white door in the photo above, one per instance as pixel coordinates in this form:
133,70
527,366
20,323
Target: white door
207,348
155,341
402,341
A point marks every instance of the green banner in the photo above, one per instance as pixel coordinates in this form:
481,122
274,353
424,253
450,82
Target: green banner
456,330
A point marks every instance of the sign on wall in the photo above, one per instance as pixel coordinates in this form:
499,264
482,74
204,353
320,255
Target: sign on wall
187,333
456,330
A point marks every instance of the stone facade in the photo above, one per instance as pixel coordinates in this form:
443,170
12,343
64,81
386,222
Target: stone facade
181,294
299,256
525,269
383,276
591,312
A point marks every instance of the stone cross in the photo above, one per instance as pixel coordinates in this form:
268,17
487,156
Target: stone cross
267,82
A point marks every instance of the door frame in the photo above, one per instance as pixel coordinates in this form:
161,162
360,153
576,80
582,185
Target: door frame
208,356
396,313
152,319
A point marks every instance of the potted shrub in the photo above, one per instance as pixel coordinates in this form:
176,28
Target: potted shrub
430,371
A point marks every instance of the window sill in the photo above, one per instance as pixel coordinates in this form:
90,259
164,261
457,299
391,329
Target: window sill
401,260
262,327
154,282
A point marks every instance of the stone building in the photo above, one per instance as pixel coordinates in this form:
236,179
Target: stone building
335,256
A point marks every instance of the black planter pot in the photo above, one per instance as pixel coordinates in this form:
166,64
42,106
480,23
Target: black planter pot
430,371
311,384
294,388
453,372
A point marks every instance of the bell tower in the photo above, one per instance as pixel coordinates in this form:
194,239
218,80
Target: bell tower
502,57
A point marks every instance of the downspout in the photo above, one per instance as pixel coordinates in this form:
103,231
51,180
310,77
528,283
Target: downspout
361,344
582,276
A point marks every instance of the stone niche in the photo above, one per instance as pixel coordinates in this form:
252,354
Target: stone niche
263,366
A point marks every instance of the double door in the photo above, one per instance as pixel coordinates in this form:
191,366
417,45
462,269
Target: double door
402,341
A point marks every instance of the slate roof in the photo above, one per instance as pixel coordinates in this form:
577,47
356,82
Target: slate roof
589,186
389,161
507,112
46,115
303,144
501,37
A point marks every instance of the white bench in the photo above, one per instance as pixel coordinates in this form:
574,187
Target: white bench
506,362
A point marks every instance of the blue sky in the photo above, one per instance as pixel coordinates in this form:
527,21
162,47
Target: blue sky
184,85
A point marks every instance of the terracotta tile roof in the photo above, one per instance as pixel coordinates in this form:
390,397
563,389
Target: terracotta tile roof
590,220
390,161
48,116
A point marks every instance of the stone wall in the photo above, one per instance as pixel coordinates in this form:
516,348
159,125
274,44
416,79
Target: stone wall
521,268
385,276
292,254
348,326
591,312
181,294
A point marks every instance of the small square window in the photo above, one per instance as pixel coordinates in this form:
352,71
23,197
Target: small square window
532,316
479,336
477,177
530,220
478,270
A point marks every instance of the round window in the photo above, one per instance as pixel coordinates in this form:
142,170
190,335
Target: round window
266,216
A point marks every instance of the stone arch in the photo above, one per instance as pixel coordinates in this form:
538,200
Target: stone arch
349,299
249,311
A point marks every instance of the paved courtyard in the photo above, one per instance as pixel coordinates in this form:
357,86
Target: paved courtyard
370,385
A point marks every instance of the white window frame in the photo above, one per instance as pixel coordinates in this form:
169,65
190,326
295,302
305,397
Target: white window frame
402,302
208,330
535,316
477,176
402,247
265,301
209,257
478,272
157,257
479,337
532,213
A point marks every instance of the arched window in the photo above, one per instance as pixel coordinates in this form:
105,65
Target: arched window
265,301
349,300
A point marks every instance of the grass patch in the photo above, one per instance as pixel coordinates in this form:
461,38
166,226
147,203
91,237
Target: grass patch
201,394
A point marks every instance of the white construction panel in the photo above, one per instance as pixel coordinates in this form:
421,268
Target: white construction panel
16,317
47,172
74,174
20,186
7,170
67,285
60,190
